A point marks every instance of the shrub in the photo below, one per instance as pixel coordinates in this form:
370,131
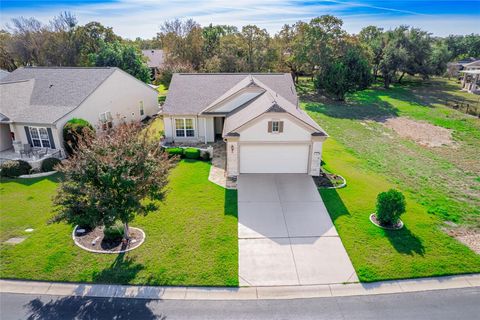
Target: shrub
15,168
390,206
114,232
72,130
174,151
191,153
49,164
205,155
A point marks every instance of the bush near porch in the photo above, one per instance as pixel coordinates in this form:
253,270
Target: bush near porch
191,240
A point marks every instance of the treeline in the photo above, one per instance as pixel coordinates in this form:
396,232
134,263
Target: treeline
63,42
338,62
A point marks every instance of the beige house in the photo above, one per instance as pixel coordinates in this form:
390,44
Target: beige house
36,102
471,77
155,59
257,115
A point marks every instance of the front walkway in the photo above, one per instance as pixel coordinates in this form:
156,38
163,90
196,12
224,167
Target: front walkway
286,236
217,170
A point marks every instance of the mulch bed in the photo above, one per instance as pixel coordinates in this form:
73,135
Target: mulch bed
87,240
397,226
328,180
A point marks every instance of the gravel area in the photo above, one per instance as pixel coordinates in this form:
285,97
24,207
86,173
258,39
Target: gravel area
422,133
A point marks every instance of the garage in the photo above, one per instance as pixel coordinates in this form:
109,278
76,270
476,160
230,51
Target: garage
274,158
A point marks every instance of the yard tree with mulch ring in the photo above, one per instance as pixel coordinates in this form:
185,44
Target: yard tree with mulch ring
112,177
390,206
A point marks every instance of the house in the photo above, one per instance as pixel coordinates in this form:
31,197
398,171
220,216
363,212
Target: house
257,115
155,59
36,102
454,67
471,77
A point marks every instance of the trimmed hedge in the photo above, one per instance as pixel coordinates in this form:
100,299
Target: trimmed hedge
174,151
390,206
49,164
15,168
191,153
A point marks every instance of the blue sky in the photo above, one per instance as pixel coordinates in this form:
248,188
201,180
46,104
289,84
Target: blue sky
132,18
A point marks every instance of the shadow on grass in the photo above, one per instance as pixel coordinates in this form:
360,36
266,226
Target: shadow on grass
89,308
405,242
122,270
335,206
231,203
31,181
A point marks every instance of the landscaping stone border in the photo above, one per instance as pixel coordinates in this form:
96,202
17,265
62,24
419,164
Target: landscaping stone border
343,185
383,227
37,175
108,252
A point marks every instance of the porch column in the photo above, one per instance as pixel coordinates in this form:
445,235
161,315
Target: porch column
233,156
316,154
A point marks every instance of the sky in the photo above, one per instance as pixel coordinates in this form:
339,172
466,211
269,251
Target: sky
142,18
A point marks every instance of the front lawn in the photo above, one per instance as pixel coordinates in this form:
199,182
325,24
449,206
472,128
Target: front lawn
440,183
191,240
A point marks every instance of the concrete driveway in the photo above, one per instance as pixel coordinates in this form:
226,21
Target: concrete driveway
286,236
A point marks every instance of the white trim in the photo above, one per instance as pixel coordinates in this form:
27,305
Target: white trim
39,137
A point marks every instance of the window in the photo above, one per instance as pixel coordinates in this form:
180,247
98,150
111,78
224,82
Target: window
275,126
40,137
184,128
142,111
106,120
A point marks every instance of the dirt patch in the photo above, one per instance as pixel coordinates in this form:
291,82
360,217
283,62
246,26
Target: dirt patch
93,240
423,133
469,237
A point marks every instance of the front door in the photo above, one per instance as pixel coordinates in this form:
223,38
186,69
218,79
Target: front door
218,127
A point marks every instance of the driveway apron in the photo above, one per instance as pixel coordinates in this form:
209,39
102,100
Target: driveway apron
285,234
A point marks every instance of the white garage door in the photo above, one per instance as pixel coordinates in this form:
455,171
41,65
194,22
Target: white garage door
274,158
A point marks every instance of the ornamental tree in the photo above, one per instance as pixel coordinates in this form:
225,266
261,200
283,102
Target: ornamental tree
112,177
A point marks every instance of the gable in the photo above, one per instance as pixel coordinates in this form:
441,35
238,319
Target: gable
293,129
236,100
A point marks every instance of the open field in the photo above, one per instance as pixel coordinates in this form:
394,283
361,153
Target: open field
191,240
440,183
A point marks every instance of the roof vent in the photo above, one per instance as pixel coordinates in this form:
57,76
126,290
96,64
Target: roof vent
50,86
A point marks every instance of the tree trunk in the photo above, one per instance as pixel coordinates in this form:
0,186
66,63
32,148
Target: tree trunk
401,77
386,81
126,233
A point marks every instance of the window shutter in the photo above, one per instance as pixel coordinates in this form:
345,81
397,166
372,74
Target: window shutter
280,126
50,137
269,126
29,138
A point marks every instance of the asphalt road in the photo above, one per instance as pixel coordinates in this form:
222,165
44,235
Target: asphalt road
442,304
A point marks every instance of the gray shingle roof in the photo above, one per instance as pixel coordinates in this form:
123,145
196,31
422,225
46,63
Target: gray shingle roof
3,73
191,93
50,94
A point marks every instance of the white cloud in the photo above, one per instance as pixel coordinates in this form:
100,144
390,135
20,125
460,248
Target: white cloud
142,18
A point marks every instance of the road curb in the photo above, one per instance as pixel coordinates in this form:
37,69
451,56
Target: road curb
242,293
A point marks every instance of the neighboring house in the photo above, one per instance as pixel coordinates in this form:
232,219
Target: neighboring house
155,59
471,77
257,115
3,73
36,102
454,68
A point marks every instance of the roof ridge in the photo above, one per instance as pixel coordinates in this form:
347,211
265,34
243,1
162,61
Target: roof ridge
59,67
232,73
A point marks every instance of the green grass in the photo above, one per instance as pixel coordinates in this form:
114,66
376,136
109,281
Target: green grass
191,240
439,183
156,128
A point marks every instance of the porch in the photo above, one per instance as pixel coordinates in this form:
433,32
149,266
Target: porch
34,157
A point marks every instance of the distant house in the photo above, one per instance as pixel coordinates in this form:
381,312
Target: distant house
257,115
155,59
36,102
454,68
471,77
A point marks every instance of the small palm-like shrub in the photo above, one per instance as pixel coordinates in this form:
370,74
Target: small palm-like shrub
49,164
390,206
15,168
191,153
114,233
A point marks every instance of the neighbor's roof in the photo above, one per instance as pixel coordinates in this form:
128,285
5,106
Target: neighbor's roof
155,57
44,95
268,101
472,64
191,93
